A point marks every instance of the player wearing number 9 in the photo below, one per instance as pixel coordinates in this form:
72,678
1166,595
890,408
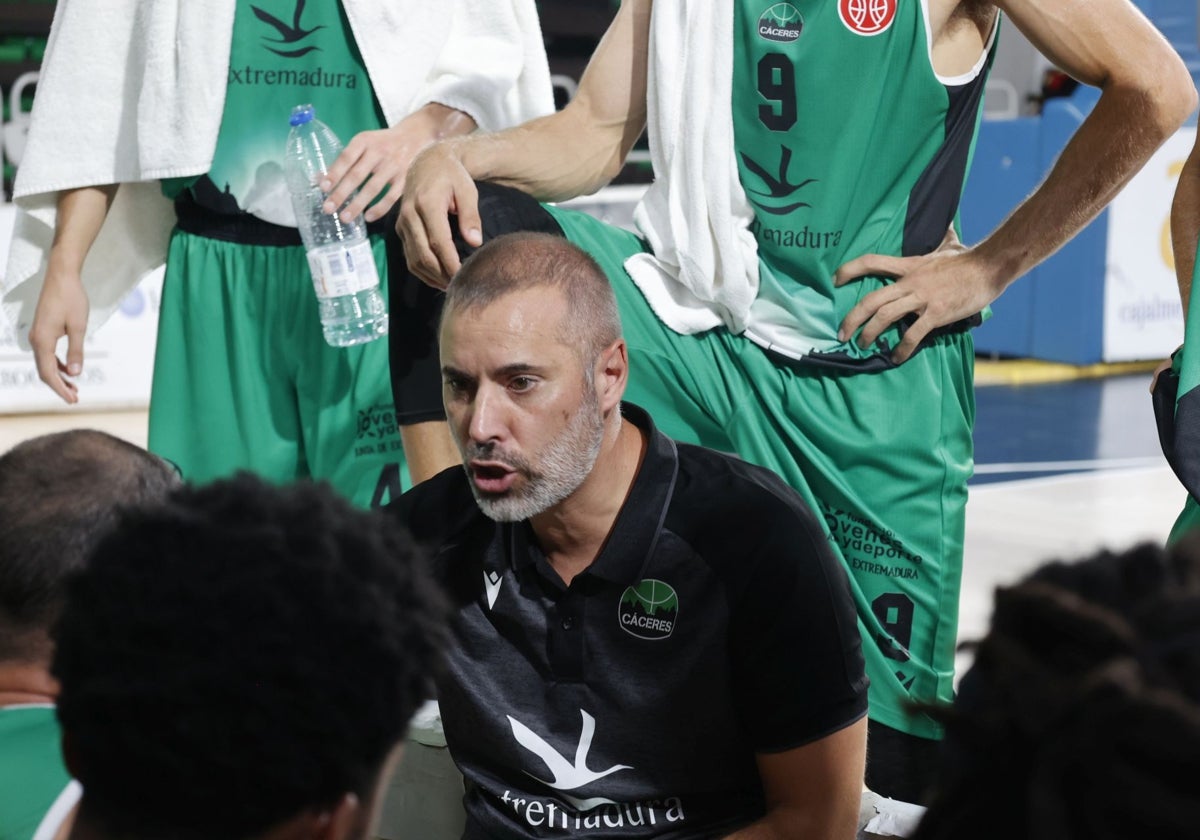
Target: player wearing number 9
801,297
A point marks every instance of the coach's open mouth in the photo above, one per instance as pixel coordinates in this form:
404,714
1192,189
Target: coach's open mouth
492,476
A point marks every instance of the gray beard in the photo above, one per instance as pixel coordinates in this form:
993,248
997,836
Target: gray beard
564,466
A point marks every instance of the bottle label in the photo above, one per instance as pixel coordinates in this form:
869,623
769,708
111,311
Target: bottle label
340,270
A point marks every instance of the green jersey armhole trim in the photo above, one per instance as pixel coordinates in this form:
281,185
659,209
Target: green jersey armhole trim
973,73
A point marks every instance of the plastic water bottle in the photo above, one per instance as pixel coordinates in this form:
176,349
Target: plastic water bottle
339,253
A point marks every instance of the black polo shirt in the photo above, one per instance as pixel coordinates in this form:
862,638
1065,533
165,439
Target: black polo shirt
714,624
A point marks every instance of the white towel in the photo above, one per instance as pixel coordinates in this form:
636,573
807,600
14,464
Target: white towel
133,91
704,267
146,105
483,57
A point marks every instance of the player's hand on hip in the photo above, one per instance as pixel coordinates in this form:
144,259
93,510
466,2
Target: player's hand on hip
438,186
1162,368
939,288
62,309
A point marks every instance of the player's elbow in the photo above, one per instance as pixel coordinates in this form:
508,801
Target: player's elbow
1187,100
600,138
612,167
1169,92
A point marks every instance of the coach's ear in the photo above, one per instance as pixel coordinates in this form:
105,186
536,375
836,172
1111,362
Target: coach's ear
612,375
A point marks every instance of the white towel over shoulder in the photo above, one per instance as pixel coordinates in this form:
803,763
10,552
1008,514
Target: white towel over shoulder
133,91
123,97
704,267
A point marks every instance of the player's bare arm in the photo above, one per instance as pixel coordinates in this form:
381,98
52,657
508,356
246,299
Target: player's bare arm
812,791
1146,94
573,152
1185,236
62,307
375,162
1185,224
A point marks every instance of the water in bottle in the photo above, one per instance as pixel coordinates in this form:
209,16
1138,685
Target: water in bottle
339,253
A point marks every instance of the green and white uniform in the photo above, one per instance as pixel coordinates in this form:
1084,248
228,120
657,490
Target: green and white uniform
1182,445
243,377
847,143
32,774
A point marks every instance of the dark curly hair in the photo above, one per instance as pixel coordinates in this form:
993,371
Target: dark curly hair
239,654
1081,715
59,494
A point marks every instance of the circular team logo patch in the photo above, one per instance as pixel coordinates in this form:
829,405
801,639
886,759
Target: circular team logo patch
867,17
649,609
782,22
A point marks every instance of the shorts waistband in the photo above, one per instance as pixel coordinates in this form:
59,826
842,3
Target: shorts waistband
245,229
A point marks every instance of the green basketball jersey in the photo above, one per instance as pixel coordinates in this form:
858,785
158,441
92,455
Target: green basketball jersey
32,774
284,53
847,143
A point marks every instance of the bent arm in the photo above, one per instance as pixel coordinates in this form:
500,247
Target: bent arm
569,153
1146,94
582,147
812,791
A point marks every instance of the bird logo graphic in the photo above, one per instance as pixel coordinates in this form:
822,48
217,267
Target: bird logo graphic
779,187
566,775
290,36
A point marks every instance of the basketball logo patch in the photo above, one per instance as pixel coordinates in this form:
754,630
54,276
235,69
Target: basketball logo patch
867,17
782,22
649,609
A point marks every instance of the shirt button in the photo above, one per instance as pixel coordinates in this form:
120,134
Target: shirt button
568,622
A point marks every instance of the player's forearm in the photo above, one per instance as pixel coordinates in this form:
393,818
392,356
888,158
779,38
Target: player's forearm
552,158
582,147
1127,125
1185,225
81,213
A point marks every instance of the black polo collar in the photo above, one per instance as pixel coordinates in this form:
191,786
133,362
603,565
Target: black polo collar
635,532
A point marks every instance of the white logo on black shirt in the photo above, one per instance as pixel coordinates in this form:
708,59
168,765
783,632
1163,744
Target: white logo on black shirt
491,582
567,776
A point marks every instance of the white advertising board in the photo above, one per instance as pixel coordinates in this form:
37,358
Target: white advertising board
118,358
1142,315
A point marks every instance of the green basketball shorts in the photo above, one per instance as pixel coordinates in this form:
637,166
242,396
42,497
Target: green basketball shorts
883,458
243,377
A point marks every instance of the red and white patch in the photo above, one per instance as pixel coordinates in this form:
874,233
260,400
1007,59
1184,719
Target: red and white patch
867,17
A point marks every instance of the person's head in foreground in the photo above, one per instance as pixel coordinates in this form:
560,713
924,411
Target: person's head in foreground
59,494
1081,716
534,368
241,662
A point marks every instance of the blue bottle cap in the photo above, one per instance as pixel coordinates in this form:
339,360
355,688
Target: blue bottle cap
300,115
